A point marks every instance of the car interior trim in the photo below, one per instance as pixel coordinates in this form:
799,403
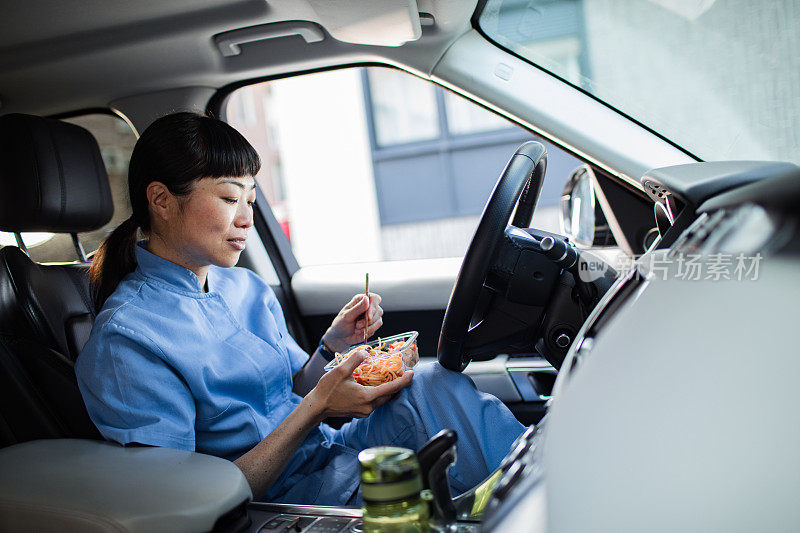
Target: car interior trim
229,41
613,224
780,192
562,111
477,26
697,183
320,510
116,482
584,338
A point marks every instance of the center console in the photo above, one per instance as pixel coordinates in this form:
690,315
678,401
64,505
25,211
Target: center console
471,512
284,518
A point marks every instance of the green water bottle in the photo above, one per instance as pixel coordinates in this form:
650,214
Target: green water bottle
391,487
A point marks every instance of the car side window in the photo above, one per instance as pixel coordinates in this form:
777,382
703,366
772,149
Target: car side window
375,164
116,139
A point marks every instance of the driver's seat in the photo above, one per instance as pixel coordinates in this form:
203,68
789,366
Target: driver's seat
52,179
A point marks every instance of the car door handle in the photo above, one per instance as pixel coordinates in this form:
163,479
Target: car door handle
534,384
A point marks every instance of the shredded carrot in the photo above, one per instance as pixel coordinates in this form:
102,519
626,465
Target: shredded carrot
384,363
379,368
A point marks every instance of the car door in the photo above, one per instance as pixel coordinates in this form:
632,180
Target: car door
373,170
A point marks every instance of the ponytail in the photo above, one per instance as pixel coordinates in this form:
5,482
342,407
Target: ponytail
176,150
114,259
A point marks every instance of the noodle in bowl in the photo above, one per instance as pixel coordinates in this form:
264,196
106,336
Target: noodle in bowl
387,360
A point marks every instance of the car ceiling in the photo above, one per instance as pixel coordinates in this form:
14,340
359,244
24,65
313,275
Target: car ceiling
62,55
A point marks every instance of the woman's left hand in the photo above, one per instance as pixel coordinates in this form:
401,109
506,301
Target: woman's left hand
348,326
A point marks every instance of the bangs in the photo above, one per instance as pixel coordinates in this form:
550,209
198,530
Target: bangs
181,148
226,151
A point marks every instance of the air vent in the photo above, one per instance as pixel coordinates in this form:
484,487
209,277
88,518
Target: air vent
664,208
656,191
693,240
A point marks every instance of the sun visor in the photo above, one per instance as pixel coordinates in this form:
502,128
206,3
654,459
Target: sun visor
372,22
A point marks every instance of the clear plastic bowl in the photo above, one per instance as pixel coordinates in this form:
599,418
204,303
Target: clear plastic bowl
408,350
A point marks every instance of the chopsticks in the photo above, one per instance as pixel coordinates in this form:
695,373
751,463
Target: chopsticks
366,313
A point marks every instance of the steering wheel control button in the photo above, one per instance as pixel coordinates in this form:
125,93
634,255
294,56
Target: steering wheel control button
560,252
563,340
281,524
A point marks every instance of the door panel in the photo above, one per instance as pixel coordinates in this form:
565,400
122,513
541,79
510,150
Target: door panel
518,381
423,284
414,295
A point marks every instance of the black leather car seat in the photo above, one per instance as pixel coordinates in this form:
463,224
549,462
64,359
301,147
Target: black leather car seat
52,179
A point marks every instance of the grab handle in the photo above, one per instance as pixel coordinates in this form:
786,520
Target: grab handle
228,42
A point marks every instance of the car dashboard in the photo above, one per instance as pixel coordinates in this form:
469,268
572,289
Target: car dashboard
669,409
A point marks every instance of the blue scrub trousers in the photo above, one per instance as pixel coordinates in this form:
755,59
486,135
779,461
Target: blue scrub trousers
436,399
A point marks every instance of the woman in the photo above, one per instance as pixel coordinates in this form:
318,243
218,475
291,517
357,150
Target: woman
190,352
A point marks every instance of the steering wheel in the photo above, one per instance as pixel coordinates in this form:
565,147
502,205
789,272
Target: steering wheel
521,180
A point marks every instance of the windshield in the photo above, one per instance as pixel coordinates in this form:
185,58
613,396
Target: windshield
719,78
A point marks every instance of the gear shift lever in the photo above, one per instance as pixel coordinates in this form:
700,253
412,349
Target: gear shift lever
435,458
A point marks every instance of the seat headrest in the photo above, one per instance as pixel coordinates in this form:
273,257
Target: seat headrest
52,177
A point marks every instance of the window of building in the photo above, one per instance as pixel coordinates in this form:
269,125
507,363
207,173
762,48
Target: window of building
404,109
464,117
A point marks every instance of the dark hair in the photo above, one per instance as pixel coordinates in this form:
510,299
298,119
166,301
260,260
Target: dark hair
176,150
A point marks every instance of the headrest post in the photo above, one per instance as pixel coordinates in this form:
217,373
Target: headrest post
21,243
78,247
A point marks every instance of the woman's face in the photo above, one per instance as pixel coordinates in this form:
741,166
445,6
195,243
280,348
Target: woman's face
213,221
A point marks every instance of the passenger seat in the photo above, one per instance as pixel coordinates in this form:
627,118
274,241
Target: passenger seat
52,179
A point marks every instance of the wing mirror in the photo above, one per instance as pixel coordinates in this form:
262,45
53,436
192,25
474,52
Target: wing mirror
582,218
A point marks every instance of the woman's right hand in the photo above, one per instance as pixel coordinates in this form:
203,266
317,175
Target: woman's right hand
338,394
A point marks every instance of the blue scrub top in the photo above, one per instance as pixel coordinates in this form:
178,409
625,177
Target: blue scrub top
170,365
